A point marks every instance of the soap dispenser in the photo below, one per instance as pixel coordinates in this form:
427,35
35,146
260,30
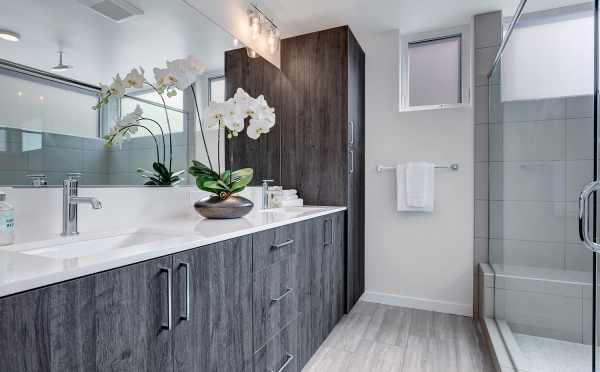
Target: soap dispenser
7,221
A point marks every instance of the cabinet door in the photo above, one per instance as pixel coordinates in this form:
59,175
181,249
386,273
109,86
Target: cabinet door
318,289
333,272
132,310
304,233
214,332
105,322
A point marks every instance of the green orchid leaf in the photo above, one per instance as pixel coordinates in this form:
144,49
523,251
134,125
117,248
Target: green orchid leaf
226,177
161,169
214,186
238,189
243,178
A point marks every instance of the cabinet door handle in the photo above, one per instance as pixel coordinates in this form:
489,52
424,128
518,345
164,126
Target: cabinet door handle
327,240
282,296
169,325
351,132
188,274
351,160
281,245
288,359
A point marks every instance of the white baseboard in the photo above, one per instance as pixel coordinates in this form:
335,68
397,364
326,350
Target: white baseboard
419,303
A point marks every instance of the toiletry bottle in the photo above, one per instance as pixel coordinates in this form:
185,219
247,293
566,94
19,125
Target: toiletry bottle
7,221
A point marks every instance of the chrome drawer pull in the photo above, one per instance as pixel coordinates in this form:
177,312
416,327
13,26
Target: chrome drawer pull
169,324
281,245
288,359
283,295
186,265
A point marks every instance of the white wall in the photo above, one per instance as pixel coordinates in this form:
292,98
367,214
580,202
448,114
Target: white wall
416,260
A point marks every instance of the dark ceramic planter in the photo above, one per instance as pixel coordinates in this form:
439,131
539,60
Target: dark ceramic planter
213,207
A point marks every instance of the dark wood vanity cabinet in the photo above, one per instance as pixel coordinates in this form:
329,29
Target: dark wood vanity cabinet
259,302
110,321
318,143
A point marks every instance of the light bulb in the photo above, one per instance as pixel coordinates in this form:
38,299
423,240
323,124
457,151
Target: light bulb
236,42
251,52
254,26
273,40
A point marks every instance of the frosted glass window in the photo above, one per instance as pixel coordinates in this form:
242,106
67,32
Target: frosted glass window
550,56
217,89
434,72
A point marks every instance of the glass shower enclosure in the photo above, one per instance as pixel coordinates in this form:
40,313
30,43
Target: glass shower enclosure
543,178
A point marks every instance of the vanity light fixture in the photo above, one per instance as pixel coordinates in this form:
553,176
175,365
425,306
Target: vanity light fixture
61,66
9,35
251,52
258,21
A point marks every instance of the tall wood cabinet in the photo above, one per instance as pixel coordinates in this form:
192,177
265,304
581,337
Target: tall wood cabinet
317,145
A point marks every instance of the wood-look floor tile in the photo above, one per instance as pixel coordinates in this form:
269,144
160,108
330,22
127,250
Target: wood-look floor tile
381,338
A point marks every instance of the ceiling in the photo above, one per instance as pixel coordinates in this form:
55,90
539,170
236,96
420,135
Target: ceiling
408,16
99,48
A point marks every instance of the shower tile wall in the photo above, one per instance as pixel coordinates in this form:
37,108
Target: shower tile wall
540,156
23,153
487,39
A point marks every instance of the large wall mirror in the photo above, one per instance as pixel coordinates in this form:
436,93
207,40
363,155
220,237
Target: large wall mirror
50,78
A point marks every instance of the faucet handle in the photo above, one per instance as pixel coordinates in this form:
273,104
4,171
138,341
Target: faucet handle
266,182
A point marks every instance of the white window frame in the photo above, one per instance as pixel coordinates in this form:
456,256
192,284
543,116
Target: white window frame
465,33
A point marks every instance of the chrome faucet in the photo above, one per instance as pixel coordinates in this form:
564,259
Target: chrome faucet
70,204
265,193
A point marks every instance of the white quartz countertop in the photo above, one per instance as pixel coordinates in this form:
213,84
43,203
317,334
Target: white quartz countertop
36,264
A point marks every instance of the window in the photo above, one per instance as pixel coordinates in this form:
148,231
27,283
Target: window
216,89
435,70
550,54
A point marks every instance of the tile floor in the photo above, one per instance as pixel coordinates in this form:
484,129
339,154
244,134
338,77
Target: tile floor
381,338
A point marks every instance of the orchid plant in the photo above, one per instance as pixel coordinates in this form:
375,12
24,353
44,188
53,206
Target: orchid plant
231,116
242,112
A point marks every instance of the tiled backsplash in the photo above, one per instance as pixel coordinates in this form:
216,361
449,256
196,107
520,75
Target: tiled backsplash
24,152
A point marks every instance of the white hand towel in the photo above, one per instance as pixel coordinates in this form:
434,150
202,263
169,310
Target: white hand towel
420,181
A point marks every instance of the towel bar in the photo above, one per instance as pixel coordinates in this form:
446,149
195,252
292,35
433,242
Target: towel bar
454,167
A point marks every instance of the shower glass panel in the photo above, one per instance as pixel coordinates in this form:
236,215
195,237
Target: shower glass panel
542,153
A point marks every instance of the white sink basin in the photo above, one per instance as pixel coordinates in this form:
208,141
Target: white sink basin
92,247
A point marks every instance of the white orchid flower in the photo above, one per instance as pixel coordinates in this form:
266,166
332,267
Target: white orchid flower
234,118
164,78
258,127
135,78
215,114
244,101
125,127
117,88
186,71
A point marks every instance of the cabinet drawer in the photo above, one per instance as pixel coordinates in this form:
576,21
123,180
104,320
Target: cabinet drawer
272,245
280,354
275,299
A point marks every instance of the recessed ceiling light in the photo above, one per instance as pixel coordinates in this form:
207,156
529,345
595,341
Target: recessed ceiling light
9,35
61,66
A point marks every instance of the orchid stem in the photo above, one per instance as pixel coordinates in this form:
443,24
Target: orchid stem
141,126
168,124
162,136
202,131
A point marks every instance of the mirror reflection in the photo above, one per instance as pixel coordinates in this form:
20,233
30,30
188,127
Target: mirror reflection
55,58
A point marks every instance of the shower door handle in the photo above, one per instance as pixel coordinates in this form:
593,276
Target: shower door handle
584,216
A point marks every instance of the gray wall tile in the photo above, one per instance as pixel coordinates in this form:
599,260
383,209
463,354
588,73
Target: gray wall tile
542,109
481,142
527,181
481,181
520,220
580,138
488,29
481,219
580,106
484,57
527,253
535,140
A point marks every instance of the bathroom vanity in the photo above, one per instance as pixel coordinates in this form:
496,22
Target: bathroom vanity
256,294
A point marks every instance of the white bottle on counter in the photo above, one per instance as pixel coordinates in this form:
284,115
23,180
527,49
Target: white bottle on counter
7,221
